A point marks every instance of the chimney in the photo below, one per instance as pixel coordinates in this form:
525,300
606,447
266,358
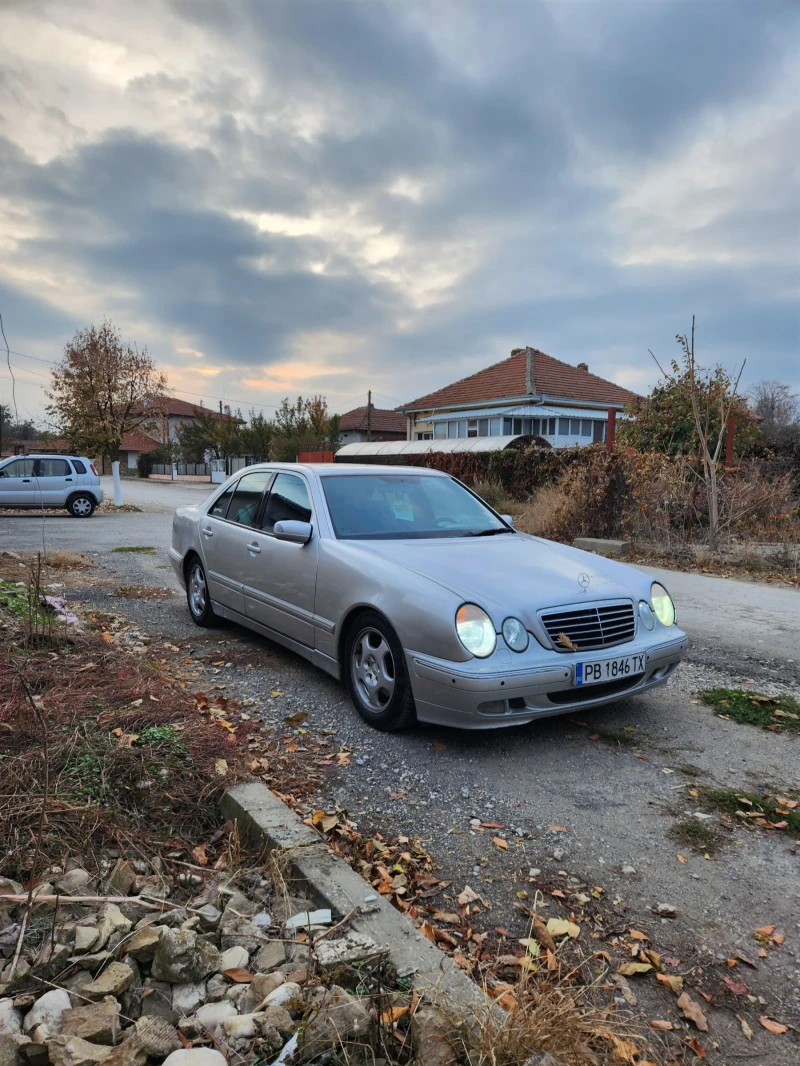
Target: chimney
584,367
530,377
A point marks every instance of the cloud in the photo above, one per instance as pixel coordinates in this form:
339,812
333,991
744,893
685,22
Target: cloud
328,197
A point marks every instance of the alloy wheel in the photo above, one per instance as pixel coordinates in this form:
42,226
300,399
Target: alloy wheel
373,670
197,590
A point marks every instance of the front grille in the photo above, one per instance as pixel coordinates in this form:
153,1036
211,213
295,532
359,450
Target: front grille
585,693
592,627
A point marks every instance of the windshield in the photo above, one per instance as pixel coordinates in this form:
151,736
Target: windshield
399,506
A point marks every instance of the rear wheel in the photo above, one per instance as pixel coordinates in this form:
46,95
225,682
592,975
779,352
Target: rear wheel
82,506
197,595
375,671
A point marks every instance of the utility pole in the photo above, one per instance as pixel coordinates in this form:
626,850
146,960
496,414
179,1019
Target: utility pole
369,415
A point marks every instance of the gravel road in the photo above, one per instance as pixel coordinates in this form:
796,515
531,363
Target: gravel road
614,781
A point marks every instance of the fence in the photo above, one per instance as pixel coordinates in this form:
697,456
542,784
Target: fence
190,469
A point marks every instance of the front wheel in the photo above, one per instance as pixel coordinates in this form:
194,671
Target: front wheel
82,506
375,671
197,595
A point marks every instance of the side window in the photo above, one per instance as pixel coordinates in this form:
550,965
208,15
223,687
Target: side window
220,506
80,466
19,468
288,501
53,468
247,497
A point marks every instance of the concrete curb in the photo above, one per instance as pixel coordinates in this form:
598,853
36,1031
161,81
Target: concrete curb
267,822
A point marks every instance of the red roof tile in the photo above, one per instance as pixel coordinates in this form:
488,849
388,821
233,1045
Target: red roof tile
138,442
381,421
169,405
551,378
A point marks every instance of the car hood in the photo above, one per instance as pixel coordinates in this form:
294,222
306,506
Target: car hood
516,574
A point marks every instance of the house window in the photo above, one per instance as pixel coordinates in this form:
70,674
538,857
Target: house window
508,428
586,427
496,427
472,427
440,430
599,434
424,436
552,430
483,427
575,427
535,424
563,427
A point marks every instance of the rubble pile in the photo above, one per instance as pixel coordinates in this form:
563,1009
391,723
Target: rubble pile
136,966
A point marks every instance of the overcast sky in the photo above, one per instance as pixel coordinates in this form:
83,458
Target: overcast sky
283,196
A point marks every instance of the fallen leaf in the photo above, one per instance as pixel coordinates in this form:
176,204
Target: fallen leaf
680,858
748,1032
238,974
773,1027
692,1011
739,988
439,747
468,896
762,954
532,946
748,962
697,1047
275,692
671,981
389,1017
199,854
220,767
561,927
448,918
500,843
637,934
791,804
659,1023
493,825
565,642
778,938
764,932
625,989
127,740
630,968
543,935
625,1050
294,719
558,828
642,757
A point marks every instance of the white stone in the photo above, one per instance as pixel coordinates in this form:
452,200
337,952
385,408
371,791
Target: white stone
85,938
261,921
187,998
283,995
110,919
232,959
306,918
47,1010
243,1026
195,1056
10,1019
210,1015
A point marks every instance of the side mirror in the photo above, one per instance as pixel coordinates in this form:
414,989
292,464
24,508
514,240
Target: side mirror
508,519
294,532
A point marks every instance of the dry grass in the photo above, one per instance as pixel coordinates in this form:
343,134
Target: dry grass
570,1015
542,514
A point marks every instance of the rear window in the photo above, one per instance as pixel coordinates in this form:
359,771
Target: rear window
53,468
80,466
247,497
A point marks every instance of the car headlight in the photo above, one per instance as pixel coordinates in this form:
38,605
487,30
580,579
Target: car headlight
662,604
646,614
475,630
515,634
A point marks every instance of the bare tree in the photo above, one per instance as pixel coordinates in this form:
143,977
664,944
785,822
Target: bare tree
777,407
712,396
102,389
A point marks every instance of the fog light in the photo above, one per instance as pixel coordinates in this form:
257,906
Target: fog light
515,634
646,614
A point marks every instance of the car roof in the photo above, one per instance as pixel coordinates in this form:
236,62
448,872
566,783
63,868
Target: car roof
340,469
44,455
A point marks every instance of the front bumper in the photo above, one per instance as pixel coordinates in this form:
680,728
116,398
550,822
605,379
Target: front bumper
176,559
472,695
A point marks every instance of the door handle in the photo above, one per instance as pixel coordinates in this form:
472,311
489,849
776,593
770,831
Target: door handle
254,549
26,481
208,532
68,479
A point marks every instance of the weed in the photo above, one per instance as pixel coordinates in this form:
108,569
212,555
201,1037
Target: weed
696,835
753,807
776,713
610,736
141,549
690,770
157,735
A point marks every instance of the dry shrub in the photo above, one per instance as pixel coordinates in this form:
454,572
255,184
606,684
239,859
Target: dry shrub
493,493
559,1013
541,515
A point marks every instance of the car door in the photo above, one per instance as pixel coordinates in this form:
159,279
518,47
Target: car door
55,480
225,530
281,577
18,486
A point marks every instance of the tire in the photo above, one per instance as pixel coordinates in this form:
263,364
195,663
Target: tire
82,505
376,675
197,597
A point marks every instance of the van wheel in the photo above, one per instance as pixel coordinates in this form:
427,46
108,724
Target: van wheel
375,670
82,506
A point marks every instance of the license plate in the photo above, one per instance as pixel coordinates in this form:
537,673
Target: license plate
593,673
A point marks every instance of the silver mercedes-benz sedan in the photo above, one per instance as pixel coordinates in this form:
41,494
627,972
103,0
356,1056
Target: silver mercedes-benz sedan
429,604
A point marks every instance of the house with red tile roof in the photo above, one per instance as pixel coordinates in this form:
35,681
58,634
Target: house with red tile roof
371,423
528,393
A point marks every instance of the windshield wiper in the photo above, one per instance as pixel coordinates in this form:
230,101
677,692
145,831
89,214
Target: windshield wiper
491,532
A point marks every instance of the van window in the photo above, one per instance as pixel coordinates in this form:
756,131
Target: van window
53,468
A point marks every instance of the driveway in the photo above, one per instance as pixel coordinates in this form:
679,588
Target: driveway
614,783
